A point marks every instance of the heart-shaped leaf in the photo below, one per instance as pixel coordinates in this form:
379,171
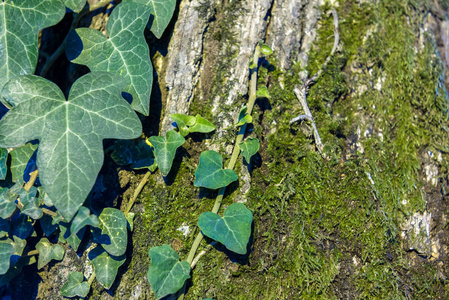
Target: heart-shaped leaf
18,244
47,227
70,151
113,232
65,235
105,266
30,203
3,159
232,230
83,218
19,159
202,125
6,251
262,92
20,23
75,286
166,273
48,252
249,148
135,153
22,226
165,149
161,14
125,52
75,5
210,173
183,122
244,117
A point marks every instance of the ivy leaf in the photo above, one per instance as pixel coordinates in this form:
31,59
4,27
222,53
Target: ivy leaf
161,14
47,227
30,203
7,206
114,233
266,50
105,266
48,252
182,122
75,286
65,235
3,159
70,151
136,153
232,230
22,226
75,5
210,173
20,23
262,92
244,117
165,149
166,273
125,52
83,218
19,160
130,219
6,251
249,148
18,244
202,125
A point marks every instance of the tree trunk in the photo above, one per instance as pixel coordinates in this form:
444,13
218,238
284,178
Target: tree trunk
367,219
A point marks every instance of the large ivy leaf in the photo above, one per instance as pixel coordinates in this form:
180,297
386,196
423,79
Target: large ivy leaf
114,231
75,5
135,153
161,14
249,148
19,160
70,132
105,266
125,52
210,173
83,218
3,159
165,149
20,23
48,252
75,286
232,230
6,251
166,273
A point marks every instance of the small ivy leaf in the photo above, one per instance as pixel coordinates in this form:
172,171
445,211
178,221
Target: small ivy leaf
252,64
83,218
19,159
4,227
249,148
6,251
3,159
262,92
136,153
232,230
70,131
105,266
124,53
182,122
266,50
47,227
202,125
65,235
130,219
113,233
7,206
161,14
210,173
165,149
48,252
74,5
166,273
18,244
244,117
30,203
75,286
22,226
20,23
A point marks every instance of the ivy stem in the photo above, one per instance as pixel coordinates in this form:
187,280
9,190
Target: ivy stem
137,192
231,164
33,252
91,278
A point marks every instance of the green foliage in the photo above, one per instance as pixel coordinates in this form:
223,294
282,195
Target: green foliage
67,142
3,167
75,286
75,5
202,125
165,149
6,251
187,124
105,265
232,230
135,153
48,252
249,148
125,50
166,273
210,173
266,50
20,157
114,234
30,203
83,218
244,118
262,92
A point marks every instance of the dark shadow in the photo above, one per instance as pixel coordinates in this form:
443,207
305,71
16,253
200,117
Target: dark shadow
254,163
171,176
263,104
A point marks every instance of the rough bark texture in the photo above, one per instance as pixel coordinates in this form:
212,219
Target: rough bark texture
369,222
